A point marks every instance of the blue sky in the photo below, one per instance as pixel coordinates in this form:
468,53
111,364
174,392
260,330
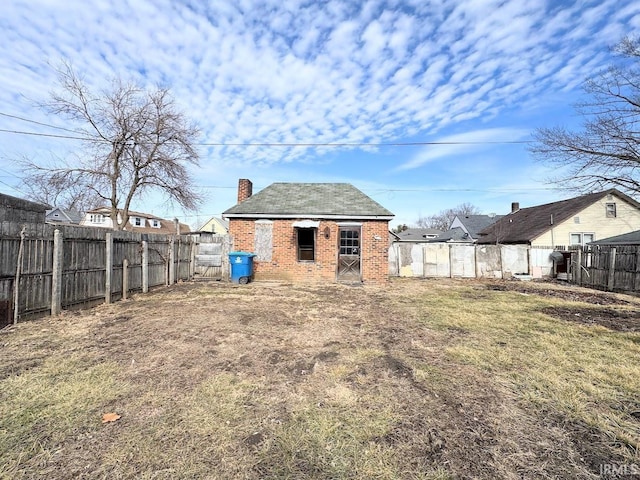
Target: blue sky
296,71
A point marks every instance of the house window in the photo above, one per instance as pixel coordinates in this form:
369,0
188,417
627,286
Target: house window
155,223
137,221
581,238
611,210
306,244
349,242
96,218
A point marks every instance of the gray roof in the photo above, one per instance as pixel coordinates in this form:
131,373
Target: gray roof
63,216
525,224
316,200
476,223
418,234
455,234
631,238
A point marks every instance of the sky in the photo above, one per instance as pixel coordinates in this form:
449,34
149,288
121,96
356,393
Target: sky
441,96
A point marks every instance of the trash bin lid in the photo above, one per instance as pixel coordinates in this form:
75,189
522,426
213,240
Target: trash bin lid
241,254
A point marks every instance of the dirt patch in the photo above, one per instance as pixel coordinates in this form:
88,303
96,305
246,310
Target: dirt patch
621,321
564,292
276,381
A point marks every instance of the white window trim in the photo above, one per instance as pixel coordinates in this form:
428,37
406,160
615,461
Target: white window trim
582,234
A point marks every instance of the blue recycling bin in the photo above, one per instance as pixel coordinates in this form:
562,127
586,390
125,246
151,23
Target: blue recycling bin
241,266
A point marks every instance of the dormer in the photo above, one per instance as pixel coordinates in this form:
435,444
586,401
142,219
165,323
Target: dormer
137,221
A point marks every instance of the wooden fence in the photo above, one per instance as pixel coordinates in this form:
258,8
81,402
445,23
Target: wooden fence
605,267
46,268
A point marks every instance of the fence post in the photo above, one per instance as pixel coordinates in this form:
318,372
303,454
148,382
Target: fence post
56,274
108,267
612,268
636,279
577,276
172,261
125,278
192,258
145,266
450,261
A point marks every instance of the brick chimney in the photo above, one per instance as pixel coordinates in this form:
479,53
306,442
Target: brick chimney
515,206
245,189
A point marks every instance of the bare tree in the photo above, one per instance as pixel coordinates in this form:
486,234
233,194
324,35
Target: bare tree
442,221
606,153
62,191
134,141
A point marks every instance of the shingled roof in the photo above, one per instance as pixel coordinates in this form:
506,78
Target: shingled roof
631,238
474,224
314,200
526,224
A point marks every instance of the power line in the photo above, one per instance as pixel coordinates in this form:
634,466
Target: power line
50,135
289,145
37,123
364,144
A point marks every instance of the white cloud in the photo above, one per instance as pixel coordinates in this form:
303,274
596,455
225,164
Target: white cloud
458,145
301,71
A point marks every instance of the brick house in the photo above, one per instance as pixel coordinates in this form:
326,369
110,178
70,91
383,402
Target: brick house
312,232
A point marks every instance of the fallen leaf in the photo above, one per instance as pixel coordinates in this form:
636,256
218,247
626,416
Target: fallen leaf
110,417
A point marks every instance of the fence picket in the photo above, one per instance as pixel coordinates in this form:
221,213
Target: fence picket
80,274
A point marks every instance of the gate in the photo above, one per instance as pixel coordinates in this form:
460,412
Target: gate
212,256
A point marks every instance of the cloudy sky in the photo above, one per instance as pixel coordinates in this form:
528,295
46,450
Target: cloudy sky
443,93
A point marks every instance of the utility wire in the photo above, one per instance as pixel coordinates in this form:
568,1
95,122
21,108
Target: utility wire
255,144
49,135
292,145
37,123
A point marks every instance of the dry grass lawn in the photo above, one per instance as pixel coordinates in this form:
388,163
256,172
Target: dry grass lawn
423,379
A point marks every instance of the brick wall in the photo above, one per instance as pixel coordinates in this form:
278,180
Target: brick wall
284,264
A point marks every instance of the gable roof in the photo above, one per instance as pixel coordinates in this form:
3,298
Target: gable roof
221,221
474,224
418,234
59,215
525,224
455,234
315,200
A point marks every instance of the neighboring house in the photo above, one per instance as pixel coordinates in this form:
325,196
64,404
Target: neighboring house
312,232
472,225
418,234
13,209
59,215
453,235
576,221
631,238
215,225
138,222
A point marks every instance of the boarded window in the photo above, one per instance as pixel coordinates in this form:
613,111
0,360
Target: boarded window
306,244
263,241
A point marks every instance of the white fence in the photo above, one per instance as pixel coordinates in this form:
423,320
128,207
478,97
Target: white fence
408,259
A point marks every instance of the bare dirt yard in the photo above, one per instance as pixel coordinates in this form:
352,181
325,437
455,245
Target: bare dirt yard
420,379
